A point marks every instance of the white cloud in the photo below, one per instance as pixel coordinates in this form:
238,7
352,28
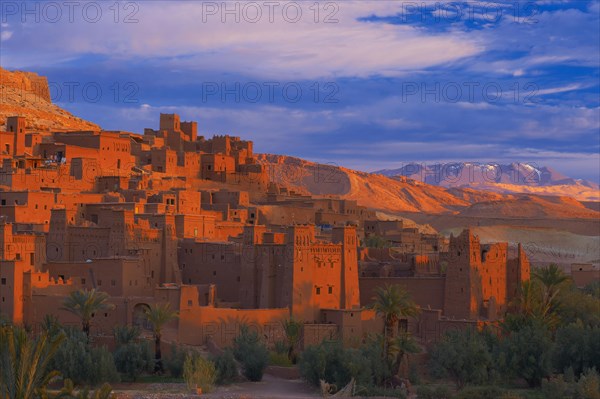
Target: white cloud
556,90
303,50
5,35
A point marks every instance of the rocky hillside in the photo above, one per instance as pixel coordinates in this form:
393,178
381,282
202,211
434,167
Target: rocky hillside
402,194
27,94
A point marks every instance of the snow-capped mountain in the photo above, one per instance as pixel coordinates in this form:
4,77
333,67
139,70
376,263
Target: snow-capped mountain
514,177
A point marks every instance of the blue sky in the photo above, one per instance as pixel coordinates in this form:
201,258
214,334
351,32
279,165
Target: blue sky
366,85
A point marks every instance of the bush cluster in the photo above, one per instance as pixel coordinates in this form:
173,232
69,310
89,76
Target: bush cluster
252,353
227,371
553,328
337,365
82,363
199,372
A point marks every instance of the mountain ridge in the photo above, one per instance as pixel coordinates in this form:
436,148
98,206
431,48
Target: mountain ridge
402,194
502,178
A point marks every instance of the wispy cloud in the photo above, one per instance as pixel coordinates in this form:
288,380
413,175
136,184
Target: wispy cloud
191,38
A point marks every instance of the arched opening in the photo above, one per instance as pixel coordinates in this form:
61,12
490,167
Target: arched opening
139,317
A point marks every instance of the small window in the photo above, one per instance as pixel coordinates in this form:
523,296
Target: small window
82,281
113,282
3,281
189,302
330,290
99,283
403,325
318,290
214,272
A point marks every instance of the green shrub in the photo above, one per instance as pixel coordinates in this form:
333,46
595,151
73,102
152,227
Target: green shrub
577,346
103,368
463,356
413,374
252,353
78,361
324,362
330,362
558,388
174,362
199,372
588,386
372,353
134,358
528,351
227,371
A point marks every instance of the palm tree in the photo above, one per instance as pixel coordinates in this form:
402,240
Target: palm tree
404,343
84,303
24,362
552,278
393,302
159,315
527,303
292,329
534,303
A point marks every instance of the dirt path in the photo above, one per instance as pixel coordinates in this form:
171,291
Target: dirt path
269,388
